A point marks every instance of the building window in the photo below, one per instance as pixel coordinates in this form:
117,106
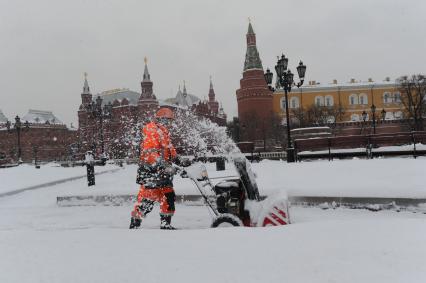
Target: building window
353,99
329,101
283,103
294,102
397,97
319,101
363,99
386,97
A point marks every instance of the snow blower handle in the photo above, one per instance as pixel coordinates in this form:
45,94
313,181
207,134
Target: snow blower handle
179,170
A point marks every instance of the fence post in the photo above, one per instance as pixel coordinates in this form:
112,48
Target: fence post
368,150
296,156
414,144
329,149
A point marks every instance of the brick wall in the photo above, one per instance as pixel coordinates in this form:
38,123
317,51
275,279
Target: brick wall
50,142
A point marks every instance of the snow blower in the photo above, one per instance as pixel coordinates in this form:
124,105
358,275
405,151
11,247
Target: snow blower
236,200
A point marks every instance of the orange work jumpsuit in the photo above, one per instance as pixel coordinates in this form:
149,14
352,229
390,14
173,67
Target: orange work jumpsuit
156,147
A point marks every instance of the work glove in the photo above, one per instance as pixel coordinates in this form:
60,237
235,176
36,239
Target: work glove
170,170
184,174
181,161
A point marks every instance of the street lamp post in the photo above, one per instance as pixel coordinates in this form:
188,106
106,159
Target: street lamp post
364,118
364,115
35,149
101,113
18,127
373,111
285,81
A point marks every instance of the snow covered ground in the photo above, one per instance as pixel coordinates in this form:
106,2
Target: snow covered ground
26,175
390,177
41,242
408,147
382,177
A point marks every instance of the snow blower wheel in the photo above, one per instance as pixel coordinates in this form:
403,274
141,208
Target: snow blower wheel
226,220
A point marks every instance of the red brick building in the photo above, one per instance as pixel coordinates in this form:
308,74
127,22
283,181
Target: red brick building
209,109
254,98
42,136
106,120
110,122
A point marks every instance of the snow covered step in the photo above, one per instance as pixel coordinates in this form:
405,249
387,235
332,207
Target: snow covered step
116,200
324,202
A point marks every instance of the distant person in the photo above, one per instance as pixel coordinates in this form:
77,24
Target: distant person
89,160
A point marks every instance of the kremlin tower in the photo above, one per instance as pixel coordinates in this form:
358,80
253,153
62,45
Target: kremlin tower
147,103
254,98
213,104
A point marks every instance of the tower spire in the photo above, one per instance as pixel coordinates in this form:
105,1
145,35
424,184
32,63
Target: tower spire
146,75
250,27
146,83
86,96
214,105
184,89
86,88
252,55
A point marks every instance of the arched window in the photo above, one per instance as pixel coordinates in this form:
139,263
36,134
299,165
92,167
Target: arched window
329,101
355,117
386,97
397,97
282,103
319,101
294,102
363,98
353,99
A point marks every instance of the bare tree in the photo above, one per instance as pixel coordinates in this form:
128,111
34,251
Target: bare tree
413,97
316,115
300,117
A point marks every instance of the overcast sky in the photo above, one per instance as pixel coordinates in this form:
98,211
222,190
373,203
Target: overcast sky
46,46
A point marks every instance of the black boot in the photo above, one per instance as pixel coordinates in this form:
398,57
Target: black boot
135,223
165,222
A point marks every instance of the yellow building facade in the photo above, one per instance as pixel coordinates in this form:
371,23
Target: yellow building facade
353,98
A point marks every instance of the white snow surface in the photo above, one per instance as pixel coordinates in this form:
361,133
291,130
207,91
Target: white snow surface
26,175
384,177
378,250
390,177
408,147
41,242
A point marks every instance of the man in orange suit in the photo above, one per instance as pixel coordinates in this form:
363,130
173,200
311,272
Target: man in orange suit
155,173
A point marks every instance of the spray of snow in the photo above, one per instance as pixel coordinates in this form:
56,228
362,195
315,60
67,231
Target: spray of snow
201,137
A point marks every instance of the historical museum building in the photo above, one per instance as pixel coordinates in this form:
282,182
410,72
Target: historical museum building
105,120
